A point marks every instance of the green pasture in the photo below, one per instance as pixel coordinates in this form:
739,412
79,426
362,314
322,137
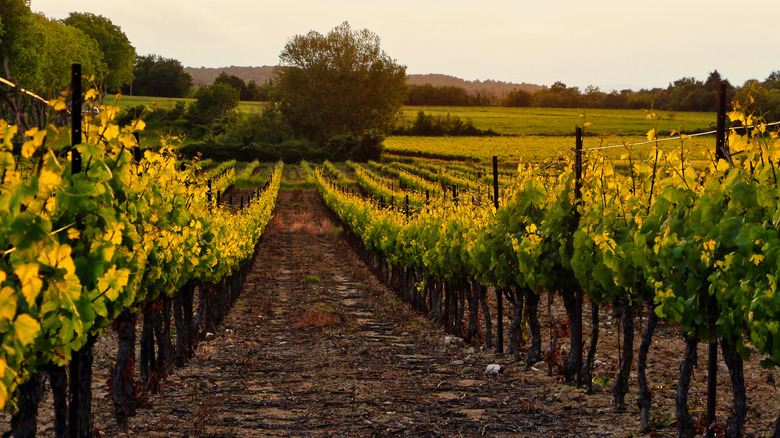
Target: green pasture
563,121
539,148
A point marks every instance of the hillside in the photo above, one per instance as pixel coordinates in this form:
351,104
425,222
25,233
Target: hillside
496,88
206,75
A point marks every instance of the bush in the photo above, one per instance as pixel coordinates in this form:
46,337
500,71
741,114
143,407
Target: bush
427,125
212,102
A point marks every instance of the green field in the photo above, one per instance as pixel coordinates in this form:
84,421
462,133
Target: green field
562,121
536,147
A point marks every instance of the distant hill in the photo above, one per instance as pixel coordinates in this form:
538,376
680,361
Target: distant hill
488,87
206,75
261,75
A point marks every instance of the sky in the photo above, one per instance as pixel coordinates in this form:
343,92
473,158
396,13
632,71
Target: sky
610,44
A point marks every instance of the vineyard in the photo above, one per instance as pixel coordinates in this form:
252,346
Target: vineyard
690,246
244,280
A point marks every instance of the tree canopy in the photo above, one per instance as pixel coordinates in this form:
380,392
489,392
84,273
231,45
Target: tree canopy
118,53
158,76
341,83
40,51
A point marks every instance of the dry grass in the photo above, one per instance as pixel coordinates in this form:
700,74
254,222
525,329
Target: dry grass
300,221
320,319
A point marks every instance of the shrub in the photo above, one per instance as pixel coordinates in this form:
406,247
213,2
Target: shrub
428,125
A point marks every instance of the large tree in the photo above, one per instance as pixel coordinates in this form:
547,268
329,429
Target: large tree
39,51
159,77
118,53
338,84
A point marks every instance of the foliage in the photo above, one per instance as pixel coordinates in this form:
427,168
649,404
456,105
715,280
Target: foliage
517,98
212,102
78,248
158,76
337,84
118,53
47,68
246,92
447,95
428,125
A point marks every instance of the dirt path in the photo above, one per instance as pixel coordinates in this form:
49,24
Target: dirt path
317,347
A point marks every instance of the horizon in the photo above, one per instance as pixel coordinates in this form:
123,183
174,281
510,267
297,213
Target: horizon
602,44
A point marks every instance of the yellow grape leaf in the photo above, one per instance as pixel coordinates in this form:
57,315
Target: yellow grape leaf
113,282
58,104
111,132
651,134
757,259
2,276
59,257
48,180
91,94
3,389
28,149
73,233
587,124
723,166
7,303
138,125
31,281
735,116
30,132
27,329
38,138
115,236
8,135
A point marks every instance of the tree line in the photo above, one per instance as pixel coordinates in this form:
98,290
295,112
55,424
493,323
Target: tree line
686,94
37,51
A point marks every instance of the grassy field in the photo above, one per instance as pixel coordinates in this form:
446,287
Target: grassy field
536,147
562,121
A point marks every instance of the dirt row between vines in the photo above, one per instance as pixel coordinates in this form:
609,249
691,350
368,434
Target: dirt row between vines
317,347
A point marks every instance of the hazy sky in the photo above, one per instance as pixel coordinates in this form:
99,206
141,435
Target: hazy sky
612,44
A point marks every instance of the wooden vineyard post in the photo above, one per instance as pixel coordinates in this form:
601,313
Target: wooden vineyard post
499,297
721,148
576,331
721,153
75,117
406,208
137,156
